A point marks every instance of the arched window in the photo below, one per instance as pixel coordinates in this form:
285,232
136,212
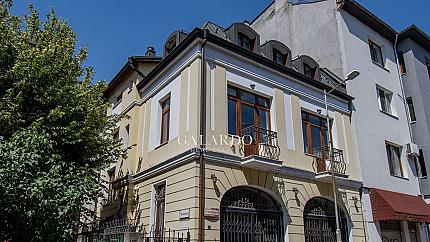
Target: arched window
307,66
173,41
244,36
248,214
277,52
320,221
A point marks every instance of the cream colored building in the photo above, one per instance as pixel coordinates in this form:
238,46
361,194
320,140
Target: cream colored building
275,188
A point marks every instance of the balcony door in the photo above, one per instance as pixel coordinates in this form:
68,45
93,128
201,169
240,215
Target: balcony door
249,116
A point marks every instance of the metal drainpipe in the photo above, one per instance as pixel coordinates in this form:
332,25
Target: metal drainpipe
418,167
202,137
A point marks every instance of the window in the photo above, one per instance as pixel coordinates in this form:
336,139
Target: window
402,64
165,120
278,57
116,135
111,192
246,109
309,71
126,136
394,163
411,109
118,99
428,67
245,42
385,101
314,131
376,53
159,209
423,166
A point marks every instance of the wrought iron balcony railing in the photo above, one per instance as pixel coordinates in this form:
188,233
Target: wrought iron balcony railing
259,142
323,163
130,230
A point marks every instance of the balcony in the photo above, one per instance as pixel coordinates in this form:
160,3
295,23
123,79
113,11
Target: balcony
259,148
323,166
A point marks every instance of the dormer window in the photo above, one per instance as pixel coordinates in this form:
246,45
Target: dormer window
244,36
173,41
309,71
245,42
277,52
278,57
307,66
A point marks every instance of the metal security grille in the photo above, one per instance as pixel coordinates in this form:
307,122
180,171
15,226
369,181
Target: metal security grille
248,214
320,221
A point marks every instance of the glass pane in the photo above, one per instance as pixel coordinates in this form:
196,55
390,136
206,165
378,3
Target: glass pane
316,137
304,116
247,116
232,91
305,137
164,129
264,102
314,119
232,119
247,97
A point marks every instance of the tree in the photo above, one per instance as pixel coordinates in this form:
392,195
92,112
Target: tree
54,132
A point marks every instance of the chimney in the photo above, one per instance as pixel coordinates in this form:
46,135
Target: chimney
150,51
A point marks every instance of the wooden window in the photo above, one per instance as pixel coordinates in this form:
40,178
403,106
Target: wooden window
111,192
376,53
423,166
314,131
160,207
116,135
402,64
309,71
278,57
394,160
245,42
246,109
385,101
411,108
165,120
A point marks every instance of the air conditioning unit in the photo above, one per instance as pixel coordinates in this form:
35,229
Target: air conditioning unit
412,149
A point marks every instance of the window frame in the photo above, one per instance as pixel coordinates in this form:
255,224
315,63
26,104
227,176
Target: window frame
402,64
164,112
411,109
256,106
126,136
276,53
309,126
241,37
388,101
390,162
422,163
428,67
373,55
313,70
156,221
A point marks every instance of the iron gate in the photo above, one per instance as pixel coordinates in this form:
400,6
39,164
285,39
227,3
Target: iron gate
250,215
320,221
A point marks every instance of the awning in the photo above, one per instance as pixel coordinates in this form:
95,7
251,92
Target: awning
393,206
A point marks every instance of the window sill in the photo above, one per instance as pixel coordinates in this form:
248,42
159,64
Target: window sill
424,177
161,145
380,66
389,114
400,177
116,104
413,122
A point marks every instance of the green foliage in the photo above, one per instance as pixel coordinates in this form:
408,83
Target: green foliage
54,132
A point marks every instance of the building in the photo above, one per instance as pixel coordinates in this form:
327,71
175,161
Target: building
414,61
229,142
343,36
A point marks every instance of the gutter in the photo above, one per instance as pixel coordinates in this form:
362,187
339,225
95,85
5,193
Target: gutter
203,138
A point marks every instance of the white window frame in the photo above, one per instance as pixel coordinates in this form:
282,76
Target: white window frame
389,101
402,168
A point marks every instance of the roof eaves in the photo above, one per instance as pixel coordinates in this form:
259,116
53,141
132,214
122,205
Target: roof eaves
417,34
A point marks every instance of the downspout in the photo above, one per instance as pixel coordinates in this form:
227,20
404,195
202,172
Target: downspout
418,167
202,137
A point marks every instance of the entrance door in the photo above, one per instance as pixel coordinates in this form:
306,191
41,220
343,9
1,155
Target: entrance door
250,215
390,231
320,221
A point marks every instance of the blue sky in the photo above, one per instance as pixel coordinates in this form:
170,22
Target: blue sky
113,30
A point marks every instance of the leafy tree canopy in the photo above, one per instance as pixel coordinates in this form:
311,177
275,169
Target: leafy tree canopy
54,132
